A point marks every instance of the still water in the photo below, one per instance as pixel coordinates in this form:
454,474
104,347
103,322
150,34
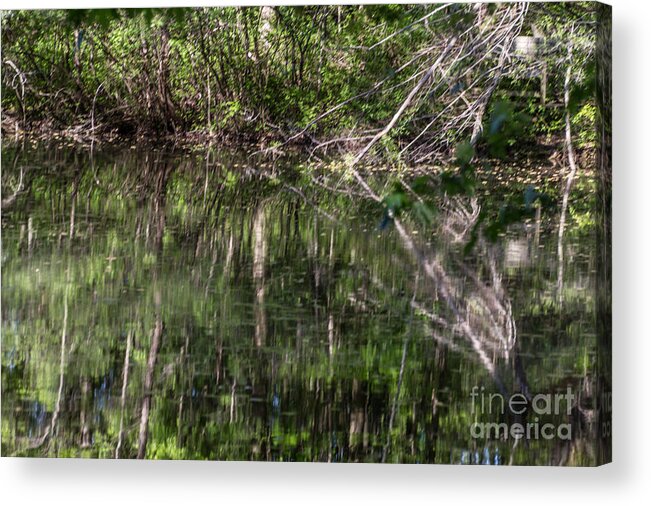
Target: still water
183,305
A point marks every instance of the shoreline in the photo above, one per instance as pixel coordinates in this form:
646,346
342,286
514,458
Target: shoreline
546,166
44,132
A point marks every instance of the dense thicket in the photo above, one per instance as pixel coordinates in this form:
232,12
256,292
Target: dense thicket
330,72
171,70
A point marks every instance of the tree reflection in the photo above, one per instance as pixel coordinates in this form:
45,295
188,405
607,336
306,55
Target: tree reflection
225,316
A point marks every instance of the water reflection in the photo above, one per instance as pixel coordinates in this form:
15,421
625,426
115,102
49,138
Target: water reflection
211,306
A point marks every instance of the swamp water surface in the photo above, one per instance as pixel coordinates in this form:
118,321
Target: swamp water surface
207,306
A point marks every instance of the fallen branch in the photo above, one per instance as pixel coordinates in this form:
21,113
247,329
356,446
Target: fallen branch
407,101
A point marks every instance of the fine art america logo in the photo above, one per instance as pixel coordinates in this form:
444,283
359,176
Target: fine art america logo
542,405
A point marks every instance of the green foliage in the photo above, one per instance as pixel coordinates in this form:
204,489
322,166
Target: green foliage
413,200
583,89
584,122
465,153
164,70
230,111
505,127
515,211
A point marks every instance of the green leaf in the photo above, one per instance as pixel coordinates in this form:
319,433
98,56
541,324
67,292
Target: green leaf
424,213
465,153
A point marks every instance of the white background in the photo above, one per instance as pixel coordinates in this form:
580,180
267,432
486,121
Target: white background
627,481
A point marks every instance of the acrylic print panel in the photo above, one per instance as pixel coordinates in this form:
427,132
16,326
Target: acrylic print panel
373,233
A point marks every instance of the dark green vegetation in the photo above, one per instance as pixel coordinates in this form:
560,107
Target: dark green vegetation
272,72
232,70
412,218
